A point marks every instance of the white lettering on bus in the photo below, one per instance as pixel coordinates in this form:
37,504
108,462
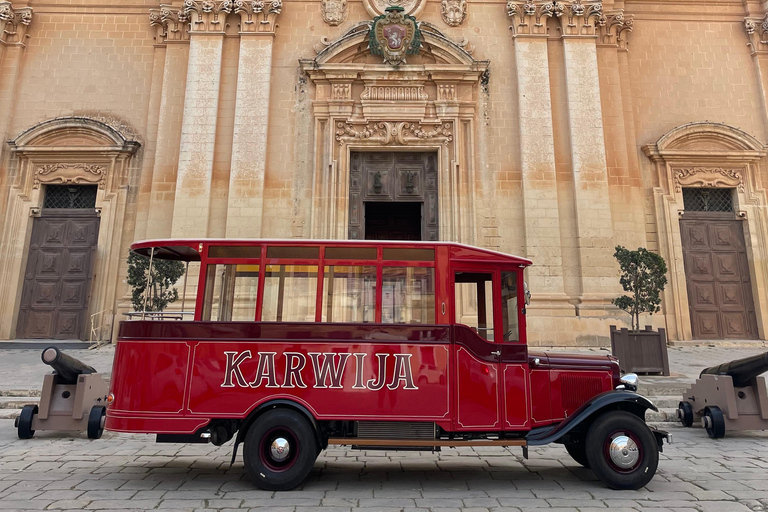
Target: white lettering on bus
328,367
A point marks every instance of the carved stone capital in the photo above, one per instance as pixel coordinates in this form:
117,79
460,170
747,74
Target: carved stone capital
530,18
388,133
756,32
454,12
74,174
581,19
14,23
334,11
170,24
708,177
258,15
207,15
613,29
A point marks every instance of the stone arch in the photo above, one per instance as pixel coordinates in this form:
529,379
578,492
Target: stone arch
707,154
66,150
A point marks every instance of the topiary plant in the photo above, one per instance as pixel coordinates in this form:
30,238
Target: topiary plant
165,273
643,274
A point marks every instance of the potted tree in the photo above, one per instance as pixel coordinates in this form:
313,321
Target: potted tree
164,274
643,275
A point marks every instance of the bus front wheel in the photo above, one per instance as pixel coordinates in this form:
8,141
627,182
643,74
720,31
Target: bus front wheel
280,450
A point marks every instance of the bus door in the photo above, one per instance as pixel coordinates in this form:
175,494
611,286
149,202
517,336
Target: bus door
513,357
478,390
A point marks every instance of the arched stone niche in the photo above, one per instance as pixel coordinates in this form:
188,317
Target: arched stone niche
709,155
431,104
76,150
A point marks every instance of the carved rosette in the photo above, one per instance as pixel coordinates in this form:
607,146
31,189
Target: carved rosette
70,174
207,15
613,29
14,23
394,133
334,11
454,12
170,24
756,32
708,177
258,15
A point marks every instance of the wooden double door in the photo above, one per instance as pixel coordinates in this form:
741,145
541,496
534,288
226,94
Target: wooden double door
57,280
393,196
717,273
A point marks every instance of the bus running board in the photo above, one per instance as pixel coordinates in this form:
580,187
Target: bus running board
426,443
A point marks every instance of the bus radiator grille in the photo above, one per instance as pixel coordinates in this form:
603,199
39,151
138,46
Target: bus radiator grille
395,430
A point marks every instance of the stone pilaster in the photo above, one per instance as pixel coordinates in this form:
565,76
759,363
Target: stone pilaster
249,142
537,147
757,33
590,174
172,41
192,204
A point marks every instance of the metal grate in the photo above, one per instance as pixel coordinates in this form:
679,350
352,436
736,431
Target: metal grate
70,196
708,199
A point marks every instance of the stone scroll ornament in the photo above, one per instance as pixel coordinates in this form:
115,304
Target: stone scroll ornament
394,35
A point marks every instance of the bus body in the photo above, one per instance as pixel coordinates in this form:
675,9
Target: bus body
296,345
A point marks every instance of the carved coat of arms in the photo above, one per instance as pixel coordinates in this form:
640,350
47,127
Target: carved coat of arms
394,35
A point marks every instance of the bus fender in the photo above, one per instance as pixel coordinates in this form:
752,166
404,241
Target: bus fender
272,404
609,400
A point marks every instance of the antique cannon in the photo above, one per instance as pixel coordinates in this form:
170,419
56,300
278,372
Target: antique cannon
73,399
731,395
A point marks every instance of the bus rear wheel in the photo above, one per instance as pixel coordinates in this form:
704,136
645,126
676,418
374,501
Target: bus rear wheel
280,450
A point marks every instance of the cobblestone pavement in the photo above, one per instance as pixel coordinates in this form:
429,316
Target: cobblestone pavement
123,471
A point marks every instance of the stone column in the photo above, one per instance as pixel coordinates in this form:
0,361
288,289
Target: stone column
590,175
537,148
757,32
192,204
249,141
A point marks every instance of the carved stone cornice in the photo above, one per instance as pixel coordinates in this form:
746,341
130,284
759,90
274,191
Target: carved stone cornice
708,177
410,92
14,23
171,24
207,15
756,32
334,11
388,133
613,29
74,174
576,18
258,16
454,12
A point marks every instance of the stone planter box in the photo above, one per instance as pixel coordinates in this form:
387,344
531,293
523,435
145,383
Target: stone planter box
640,351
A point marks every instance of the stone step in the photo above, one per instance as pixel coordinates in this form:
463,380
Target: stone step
17,402
19,392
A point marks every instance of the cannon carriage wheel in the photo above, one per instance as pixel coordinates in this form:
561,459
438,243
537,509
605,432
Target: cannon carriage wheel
685,413
714,422
24,422
96,421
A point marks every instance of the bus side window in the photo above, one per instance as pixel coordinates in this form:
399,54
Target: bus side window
290,293
349,294
230,293
474,302
509,307
408,295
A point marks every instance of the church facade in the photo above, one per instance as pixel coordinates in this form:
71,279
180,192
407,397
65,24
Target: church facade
552,130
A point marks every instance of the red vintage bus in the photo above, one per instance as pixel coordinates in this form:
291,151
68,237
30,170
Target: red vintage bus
298,345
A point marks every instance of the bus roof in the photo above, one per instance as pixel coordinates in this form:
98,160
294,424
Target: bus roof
189,249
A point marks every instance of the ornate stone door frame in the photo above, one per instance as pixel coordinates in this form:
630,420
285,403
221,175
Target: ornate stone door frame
708,155
359,105
65,150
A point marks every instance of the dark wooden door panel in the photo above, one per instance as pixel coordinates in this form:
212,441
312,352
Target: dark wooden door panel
717,273
57,281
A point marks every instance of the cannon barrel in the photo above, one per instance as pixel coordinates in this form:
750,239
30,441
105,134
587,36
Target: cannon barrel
67,367
741,371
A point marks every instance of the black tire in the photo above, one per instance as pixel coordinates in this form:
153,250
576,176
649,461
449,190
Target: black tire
577,449
622,451
714,422
25,421
685,413
95,421
265,469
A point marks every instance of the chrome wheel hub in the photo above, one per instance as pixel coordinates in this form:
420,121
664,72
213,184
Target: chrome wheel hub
623,451
280,449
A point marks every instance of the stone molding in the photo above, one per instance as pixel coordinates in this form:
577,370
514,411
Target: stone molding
70,173
377,92
334,11
393,133
171,24
14,23
576,18
613,29
708,177
454,12
208,15
258,16
377,7
756,32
